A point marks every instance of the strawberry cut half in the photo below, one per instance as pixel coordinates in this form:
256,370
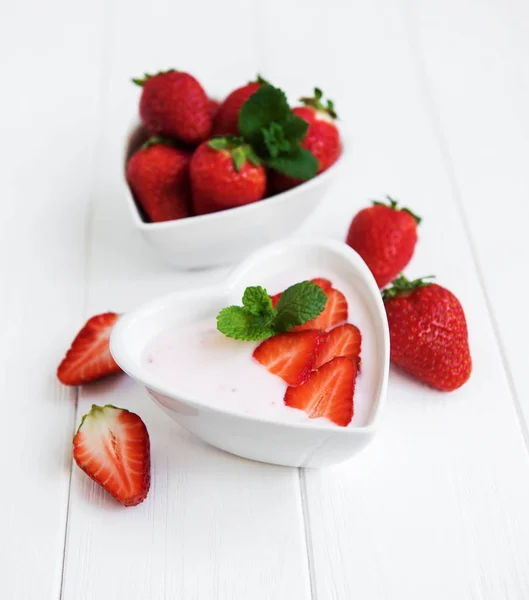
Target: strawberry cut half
291,356
112,447
334,313
344,340
89,356
328,392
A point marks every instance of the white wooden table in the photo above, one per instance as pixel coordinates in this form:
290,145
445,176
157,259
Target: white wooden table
436,95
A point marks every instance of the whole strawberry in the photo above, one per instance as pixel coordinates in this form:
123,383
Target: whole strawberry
213,107
428,333
226,119
385,237
174,104
225,173
322,138
158,175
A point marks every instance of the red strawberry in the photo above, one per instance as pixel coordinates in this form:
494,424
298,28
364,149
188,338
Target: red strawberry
328,392
89,356
385,237
322,138
175,105
344,340
291,355
158,175
226,120
325,285
213,107
334,313
428,333
225,173
112,447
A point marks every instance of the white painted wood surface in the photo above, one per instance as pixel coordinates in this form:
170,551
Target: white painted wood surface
434,95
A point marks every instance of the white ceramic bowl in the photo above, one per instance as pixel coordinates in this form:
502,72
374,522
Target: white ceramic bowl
229,236
306,445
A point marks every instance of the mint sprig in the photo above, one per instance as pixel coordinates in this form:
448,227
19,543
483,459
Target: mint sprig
267,123
257,319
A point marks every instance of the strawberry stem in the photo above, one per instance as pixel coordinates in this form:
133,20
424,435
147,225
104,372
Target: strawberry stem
402,286
238,149
146,76
317,103
393,204
157,139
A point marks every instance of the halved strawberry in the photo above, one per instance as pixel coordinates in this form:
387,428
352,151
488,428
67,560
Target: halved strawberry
325,285
112,447
89,356
335,312
328,392
344,340
291,355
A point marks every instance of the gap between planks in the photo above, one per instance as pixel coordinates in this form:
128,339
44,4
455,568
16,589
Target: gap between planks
309,548
104,81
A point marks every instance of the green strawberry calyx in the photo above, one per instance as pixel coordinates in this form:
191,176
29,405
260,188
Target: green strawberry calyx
316,102
393,204
238,149
141,81
155,140
402,286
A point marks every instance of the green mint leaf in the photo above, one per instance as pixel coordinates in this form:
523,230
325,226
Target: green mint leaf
266,105
298,304
256,300
295,128
299,164
237,323
275,140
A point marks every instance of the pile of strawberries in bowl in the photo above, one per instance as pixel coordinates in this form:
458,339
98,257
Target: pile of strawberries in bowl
195,157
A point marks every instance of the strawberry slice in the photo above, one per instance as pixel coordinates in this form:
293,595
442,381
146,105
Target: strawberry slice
325,284
291,355
328,392
344,340
334,313
112,447
89,356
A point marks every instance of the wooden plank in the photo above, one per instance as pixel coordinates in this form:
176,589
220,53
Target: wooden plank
437,507
480,82
51,57
213,526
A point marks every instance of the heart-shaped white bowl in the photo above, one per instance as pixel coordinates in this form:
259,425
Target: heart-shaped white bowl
228,236
307,444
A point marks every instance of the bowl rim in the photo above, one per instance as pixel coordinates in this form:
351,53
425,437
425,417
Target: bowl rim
211,217
131,367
